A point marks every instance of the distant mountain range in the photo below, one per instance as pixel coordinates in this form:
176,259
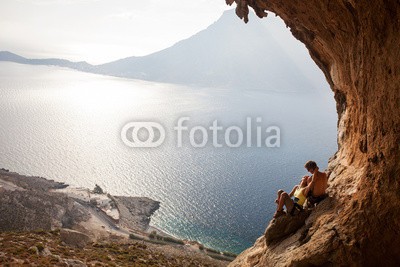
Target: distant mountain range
82,66
227,54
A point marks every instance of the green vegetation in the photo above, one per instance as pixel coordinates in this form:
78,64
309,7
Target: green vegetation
213,251
156,241
155,237
173,240
40,247
33,250
135,237
229,254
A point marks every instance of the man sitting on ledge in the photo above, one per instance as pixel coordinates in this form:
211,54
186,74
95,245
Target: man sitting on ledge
318,185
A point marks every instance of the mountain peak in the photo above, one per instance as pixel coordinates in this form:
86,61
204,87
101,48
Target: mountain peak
228,54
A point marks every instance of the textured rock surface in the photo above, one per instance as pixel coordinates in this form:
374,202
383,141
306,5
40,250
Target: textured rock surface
28,206
283,226
74,238
356,45
136,211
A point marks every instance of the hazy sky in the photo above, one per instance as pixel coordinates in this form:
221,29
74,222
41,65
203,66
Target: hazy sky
99,31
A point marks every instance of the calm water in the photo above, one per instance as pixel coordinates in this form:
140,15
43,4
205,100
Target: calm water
66,125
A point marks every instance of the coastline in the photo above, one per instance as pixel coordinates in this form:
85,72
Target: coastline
39,203
132,213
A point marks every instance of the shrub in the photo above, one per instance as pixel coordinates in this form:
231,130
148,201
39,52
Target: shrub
40,247
213,251
135,237
229,254
33,250
155,241
153,234
173,240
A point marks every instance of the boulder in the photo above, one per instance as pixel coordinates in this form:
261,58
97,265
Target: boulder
74,238
285,225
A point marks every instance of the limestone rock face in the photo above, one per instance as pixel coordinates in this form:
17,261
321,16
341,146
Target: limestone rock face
135,212
356,45
283,226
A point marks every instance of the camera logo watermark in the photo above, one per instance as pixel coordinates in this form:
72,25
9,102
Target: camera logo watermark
134,130
152,134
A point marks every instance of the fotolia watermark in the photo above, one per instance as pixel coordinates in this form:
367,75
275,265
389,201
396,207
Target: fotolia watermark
153,134
150,127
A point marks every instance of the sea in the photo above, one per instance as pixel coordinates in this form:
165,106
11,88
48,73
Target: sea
215,186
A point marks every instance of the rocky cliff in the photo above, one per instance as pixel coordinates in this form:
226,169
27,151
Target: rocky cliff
28,203
356,45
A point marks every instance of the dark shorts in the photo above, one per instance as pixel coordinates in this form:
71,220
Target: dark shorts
315,200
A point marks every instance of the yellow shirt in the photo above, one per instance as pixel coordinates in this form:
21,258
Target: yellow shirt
298,194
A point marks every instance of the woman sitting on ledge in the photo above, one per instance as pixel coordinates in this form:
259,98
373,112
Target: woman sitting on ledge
300,195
